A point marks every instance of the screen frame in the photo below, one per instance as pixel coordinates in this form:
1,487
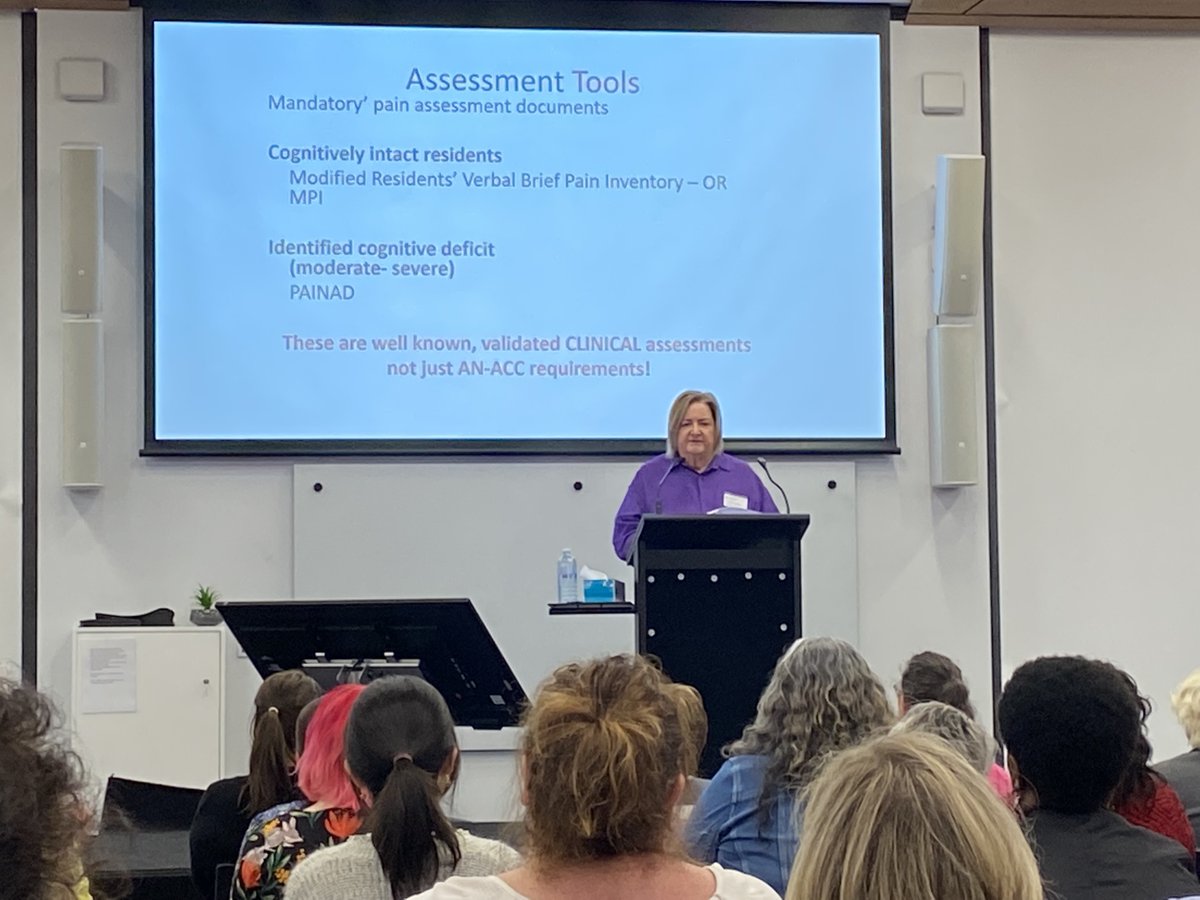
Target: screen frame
604,15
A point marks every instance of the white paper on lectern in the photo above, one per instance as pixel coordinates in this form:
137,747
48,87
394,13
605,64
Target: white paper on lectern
108,676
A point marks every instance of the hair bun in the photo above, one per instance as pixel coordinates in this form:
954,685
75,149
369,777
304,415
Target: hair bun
956,692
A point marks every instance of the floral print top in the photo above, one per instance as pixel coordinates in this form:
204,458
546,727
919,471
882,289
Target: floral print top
273,849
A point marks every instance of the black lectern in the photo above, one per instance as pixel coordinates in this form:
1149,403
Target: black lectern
718,600
443,641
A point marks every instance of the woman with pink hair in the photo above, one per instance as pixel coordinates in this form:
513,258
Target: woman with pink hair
273,849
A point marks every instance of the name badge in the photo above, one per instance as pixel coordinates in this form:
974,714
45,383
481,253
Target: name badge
735,501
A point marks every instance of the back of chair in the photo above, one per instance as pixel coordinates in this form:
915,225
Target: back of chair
150,807
223,881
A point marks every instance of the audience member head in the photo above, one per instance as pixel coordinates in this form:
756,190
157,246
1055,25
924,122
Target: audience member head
1186,703
953,726
904,816
402,753
603,755
693,720
1137,784
302,721
932,676
321,769
822,698
1071,726
43,811
277,705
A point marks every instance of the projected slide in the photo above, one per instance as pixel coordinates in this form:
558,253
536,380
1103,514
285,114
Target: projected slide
427,233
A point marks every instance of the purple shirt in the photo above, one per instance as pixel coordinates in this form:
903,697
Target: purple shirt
685,492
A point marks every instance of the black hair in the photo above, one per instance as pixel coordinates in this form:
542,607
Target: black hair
1072,725
1139,782
930,676
400,736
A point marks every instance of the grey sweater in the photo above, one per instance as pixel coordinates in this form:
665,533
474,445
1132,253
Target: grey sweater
352,871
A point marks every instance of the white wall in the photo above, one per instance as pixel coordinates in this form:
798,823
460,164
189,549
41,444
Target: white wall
157,527
10,340
923,570
1096,195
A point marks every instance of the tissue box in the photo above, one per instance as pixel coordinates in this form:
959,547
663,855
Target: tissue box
603,590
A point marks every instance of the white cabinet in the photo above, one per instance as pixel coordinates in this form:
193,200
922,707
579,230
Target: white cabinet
488,789
147,703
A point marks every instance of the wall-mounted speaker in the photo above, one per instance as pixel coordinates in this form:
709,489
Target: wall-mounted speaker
83,401
958,236
953,417
82,228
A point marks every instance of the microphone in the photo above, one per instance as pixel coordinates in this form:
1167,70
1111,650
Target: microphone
762,462
658,490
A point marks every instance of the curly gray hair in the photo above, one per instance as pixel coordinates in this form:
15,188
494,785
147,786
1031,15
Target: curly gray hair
954,727
822,697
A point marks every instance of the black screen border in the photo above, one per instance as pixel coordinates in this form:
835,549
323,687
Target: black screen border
616,15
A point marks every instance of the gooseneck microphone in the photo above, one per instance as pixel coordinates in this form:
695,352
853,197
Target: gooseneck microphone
658,490
762,462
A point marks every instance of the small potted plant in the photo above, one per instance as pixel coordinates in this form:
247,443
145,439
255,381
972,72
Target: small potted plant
205,612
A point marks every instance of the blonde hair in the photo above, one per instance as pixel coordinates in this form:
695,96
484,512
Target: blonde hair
604,744
1186,702
678,410
903,817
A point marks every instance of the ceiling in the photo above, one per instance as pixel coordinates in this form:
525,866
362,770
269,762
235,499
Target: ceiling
1060,15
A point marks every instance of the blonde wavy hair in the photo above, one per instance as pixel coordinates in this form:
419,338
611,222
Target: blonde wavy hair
1185,700
604,745
904,817
822,698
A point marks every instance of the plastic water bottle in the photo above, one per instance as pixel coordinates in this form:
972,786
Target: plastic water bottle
568,578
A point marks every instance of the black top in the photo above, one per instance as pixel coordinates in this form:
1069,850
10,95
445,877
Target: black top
1100,856
217,831
1183,774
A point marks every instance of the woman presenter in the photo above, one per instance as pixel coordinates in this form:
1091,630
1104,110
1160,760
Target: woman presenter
693,476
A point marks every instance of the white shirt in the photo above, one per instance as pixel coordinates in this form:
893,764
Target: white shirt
352,871
731,885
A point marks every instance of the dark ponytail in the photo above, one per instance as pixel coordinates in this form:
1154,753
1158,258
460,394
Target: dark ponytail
270,779
277,705
400,746
407,826
931,676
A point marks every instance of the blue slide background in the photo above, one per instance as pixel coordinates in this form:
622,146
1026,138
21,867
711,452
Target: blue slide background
789,257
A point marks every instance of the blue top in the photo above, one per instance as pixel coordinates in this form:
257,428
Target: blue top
725,826
665,484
